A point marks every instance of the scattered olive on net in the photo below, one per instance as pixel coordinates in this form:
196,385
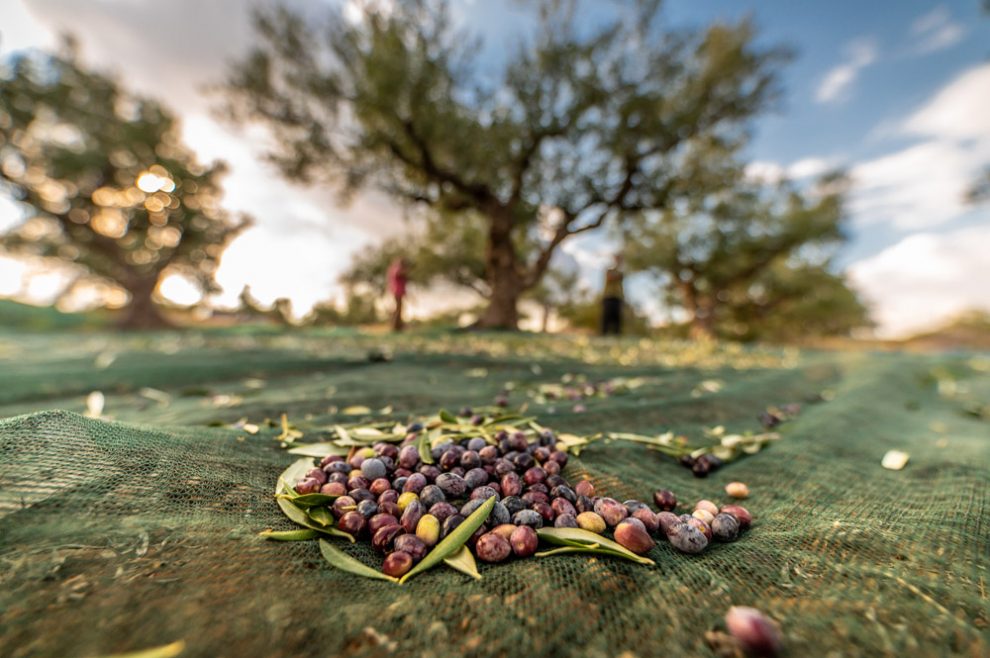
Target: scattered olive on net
737,490
725,527
666,521
686,538
701,526
703,515
707,505
648,518
632,534
741,513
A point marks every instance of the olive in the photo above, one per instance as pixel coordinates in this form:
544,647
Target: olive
333,489
701,526
428,529
477,443
665,499
307,486
431,495
452,485
686,538
632,534
475,477
414,483
470,506
361,494
352,522
611,510
367,508
488,454
411,544
430,472
442,510
585,488
545,511
373,469
591,522
470,459
648,518
528,517
584,504
511,484
725,527
565,492
562,506
633,505
499,514
667,520
397,564
741,513
384,538
379,486
513,504
552,468
343,505
390,508
318,475
492,548
565,521
379,521
504,530
411,515
523,541
406,498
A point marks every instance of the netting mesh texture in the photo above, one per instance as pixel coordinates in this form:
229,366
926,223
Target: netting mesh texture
117,536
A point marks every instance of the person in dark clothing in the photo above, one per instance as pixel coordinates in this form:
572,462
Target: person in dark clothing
612,297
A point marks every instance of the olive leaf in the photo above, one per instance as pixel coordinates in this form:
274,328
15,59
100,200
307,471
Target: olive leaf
320,515
298,516
453,542
318,450
309,500
447,417
589,542
423,445
345,562
464,562
289,535
295,472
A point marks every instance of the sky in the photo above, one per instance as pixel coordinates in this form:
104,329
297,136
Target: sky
896,93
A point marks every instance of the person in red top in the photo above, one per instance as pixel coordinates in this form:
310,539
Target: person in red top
398,278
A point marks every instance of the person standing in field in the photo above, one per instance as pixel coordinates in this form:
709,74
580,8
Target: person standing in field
398,278
612,299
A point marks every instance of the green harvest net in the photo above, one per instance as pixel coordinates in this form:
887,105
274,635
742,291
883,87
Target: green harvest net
142,531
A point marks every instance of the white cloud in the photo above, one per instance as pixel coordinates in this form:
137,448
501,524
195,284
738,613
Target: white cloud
835,86
935,31
925,279
922,185
769,172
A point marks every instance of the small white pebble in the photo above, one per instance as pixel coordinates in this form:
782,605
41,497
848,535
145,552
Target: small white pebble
895,460
737,490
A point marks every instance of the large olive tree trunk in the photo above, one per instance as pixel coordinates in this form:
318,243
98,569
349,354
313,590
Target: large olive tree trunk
504,278
142,312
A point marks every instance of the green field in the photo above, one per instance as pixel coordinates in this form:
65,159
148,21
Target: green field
138,528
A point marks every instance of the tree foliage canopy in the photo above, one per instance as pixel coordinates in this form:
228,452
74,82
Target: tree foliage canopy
745,259
582,125
111,187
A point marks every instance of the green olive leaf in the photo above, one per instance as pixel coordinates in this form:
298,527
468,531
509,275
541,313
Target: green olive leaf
464,562
318,450
289,535
321,516
345,562
423,445
453,542
291,475
309,500
298,516
447,417
589,541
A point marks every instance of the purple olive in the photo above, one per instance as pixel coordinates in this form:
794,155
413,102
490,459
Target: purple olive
492,548
632,534
307,486
384,538
411,544
397,564
352,523
523,541
611,510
